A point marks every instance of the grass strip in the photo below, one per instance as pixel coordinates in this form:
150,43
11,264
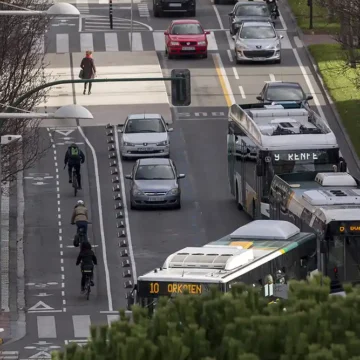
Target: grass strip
339,80
321,24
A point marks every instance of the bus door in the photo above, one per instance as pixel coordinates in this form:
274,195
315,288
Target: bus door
231,158
244,159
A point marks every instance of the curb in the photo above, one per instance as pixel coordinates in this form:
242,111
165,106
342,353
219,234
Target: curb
324,88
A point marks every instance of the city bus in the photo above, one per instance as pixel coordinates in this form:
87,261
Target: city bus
328,204
272,139
260,253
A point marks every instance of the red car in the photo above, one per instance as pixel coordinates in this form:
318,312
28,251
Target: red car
186,37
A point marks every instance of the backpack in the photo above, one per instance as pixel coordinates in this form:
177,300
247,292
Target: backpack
74,153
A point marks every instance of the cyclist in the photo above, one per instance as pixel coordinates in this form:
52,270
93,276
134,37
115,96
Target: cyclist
80,216
74,157
87,259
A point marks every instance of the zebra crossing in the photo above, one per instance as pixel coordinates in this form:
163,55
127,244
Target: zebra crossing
101,23
83,8
143,10
9,355
121,41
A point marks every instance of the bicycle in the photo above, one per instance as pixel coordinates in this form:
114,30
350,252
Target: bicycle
80,236
87,286
75,184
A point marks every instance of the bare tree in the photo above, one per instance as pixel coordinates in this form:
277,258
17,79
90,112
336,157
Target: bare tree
21,69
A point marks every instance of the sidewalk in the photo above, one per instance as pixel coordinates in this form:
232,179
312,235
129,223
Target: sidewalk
318,39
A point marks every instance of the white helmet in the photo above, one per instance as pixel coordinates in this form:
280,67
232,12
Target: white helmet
80,202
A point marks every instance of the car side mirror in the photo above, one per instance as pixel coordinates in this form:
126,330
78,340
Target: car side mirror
181,176
170,129
309,97
231,14
166,33
129,176
234,37
207,32
281,36
259,98
121,130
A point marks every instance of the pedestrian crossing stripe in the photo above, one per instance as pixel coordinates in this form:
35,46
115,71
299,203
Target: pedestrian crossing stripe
121,41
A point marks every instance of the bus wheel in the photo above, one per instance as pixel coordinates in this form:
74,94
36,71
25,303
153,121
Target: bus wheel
253,209
239,206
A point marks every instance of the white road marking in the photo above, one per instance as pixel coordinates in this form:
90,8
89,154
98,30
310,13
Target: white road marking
212,42
242,92
298,42
285,41
308,83
126,213
229,39
219,63
282,21
46,327
86,42
136,41
111,42
272,77
159,41
235,73
82,325
230,55
101,220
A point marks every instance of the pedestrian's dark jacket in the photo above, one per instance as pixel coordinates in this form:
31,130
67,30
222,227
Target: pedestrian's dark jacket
88,66
69,159
87,258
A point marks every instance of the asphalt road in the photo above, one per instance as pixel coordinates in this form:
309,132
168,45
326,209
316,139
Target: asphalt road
198,146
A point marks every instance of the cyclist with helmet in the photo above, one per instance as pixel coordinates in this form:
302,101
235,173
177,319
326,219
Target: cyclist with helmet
80,216
74,157
87,259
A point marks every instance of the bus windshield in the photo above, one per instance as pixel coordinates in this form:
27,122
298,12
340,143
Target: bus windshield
295,161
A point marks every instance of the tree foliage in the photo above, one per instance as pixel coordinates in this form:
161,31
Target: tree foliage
239,325
21,69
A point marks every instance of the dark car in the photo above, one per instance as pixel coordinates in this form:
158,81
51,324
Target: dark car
248,11
155,184
281,91
174,6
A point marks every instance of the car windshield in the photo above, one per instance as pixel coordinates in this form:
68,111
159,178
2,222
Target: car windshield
251,10
259,32
187,29
154,172
284,93
144,126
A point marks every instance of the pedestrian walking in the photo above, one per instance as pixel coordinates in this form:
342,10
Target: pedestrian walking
88,69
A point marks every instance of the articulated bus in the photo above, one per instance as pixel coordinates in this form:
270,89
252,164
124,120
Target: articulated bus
260,253
327,204
265,140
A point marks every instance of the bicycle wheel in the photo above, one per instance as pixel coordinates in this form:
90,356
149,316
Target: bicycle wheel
75,184
87,288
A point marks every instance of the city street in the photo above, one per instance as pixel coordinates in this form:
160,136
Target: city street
56,312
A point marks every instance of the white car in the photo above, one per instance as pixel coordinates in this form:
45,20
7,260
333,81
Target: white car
145,135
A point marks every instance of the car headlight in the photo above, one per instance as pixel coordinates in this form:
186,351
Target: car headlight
128,144
163,143
173,191
277,46
174,43
241,46
202,43
137,192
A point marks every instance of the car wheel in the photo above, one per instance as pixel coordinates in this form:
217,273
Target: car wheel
278,61
132,206
205,56
216,2
192,13
123,158
157,13
239,206
178,206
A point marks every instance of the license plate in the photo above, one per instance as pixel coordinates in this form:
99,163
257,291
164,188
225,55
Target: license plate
259,58
144,149
188,48
174,5
155,198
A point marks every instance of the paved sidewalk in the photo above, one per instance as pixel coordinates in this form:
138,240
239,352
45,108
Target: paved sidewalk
318,39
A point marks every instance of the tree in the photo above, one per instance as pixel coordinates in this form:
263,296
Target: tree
21,69
239,325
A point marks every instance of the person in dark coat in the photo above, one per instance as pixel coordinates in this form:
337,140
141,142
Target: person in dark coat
87,259
89,69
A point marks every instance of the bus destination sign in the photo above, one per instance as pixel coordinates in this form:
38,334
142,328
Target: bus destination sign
352,228
165,288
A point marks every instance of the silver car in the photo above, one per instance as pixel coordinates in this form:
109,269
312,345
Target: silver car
145,135
257,41
155,183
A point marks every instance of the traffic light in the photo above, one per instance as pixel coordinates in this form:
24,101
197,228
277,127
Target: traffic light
181,89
